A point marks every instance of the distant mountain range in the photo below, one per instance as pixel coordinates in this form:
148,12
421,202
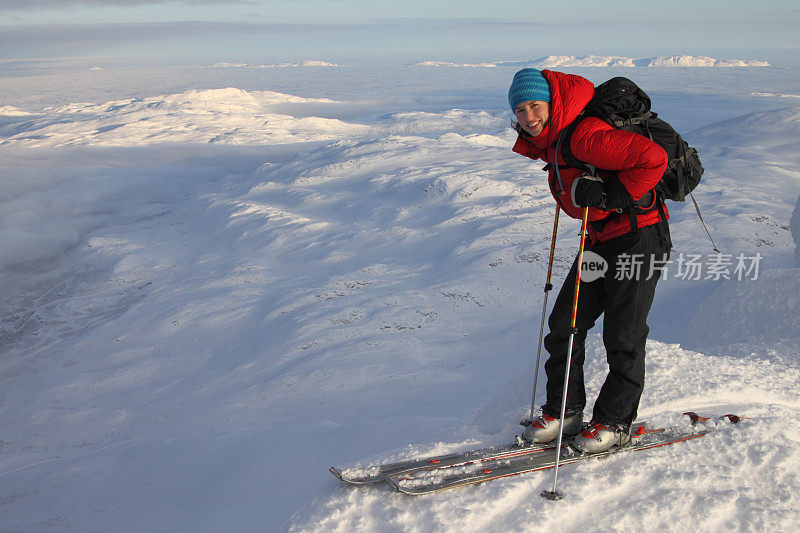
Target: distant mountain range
608,61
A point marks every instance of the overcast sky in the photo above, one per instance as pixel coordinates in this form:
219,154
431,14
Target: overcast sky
63,28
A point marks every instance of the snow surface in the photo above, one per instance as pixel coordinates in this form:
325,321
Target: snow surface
795,225
212,294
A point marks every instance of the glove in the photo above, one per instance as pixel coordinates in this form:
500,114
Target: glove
609,194
588,191
617,196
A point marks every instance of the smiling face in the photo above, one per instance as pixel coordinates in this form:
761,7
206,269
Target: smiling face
533,116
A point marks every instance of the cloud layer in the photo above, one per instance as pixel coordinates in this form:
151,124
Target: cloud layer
16,5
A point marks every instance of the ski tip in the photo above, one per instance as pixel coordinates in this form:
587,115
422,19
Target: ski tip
695,418
735,419
336,472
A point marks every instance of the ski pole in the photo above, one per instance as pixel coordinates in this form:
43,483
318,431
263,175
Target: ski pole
547,288
703,222
553,494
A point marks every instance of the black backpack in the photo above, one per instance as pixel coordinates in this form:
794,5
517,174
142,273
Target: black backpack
622,104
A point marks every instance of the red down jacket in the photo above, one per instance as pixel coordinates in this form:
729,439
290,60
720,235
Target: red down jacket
638,161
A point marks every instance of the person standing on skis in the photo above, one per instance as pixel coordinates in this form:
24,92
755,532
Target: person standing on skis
545,103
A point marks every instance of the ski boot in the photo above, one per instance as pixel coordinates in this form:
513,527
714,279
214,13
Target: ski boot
545,428
597,437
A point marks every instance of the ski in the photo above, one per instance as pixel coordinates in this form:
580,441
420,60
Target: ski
425,481
376,473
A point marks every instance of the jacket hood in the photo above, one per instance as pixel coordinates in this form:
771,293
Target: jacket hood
569,95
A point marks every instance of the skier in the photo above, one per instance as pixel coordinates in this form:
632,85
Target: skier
626,228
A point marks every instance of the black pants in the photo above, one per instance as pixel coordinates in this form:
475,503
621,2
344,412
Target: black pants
625,297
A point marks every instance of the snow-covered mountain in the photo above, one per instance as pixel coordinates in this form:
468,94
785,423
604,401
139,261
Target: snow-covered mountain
562,61
290,64
212,116
211,296
218,116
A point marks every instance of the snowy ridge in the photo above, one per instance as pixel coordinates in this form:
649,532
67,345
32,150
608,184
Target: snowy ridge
700,61
431,63
608,61
291,64
220,116
11,111
753,179
780,95
756,152
228,116
770,128
736,303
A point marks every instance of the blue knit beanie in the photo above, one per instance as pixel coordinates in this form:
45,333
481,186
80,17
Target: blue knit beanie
528,84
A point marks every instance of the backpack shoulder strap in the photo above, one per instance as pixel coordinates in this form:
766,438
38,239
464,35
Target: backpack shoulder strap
562,146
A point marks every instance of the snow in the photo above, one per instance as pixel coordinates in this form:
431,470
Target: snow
702,61
431,63
566,61
290,64
724,319
781,95
795,225
213,116
11,111
212,292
